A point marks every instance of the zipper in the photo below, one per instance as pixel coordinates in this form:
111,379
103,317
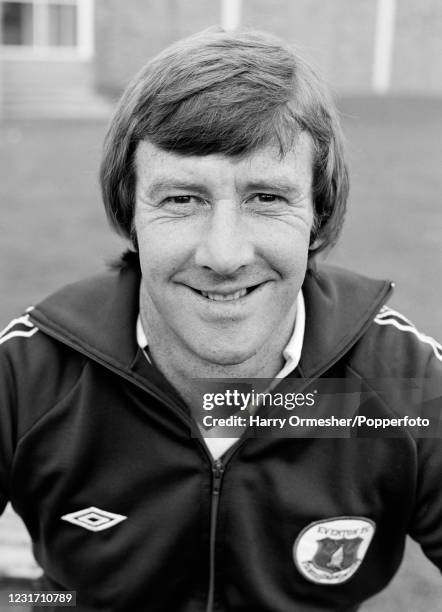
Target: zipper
217,476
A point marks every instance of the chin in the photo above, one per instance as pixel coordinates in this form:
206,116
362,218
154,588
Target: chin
226,355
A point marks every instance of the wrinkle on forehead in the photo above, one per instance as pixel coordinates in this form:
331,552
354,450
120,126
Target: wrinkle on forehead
179,170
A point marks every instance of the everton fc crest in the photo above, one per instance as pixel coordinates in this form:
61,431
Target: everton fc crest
330,551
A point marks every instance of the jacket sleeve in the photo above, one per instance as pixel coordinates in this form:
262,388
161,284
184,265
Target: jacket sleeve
35,373
14,334
426,525
6,431
406,366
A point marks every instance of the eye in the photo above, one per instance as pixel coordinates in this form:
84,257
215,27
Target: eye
266,204
266,198
183,205
182,199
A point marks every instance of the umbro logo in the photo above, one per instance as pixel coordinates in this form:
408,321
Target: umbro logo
94,519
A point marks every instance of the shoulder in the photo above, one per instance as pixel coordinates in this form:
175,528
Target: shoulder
394,346
404,331
21,327
17,339
35,372
402,364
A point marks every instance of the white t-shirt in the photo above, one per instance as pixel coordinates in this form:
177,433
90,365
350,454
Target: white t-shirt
292,354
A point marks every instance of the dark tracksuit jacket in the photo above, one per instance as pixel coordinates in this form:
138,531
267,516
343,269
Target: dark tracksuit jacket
302,522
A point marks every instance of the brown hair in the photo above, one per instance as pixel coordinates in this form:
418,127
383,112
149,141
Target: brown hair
229,93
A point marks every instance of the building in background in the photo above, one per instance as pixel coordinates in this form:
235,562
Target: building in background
57,57
47,59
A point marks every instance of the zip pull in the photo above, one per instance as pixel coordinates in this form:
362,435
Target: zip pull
218,471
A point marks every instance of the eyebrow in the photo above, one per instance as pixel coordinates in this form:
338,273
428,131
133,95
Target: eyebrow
162,185
276,184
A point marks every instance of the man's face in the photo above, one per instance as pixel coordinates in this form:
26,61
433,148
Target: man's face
223,245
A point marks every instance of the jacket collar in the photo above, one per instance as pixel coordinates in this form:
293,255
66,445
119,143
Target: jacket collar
98,316
340,306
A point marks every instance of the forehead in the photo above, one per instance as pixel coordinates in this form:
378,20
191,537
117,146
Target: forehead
266,163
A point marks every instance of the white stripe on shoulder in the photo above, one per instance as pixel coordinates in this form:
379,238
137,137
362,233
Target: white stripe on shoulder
388,316
16,334
21,326
386,312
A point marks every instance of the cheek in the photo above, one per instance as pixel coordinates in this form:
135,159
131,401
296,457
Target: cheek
162,249
151,246
287,252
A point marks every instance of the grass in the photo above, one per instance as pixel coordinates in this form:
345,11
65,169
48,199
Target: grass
53,231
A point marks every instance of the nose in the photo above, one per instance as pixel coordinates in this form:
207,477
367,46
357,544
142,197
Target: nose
226,245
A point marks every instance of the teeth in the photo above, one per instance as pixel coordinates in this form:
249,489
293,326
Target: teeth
224,297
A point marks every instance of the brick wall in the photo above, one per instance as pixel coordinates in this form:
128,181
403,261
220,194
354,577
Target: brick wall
49,88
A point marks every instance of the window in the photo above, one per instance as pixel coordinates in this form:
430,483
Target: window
46,26
17,23
62,25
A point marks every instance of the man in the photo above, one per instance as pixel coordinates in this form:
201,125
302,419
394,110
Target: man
224,167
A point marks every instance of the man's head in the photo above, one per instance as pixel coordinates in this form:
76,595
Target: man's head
224,166
229,93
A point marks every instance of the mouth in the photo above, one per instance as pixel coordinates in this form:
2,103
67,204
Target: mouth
223,296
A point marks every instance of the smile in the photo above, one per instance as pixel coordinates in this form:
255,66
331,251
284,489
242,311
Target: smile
223,296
